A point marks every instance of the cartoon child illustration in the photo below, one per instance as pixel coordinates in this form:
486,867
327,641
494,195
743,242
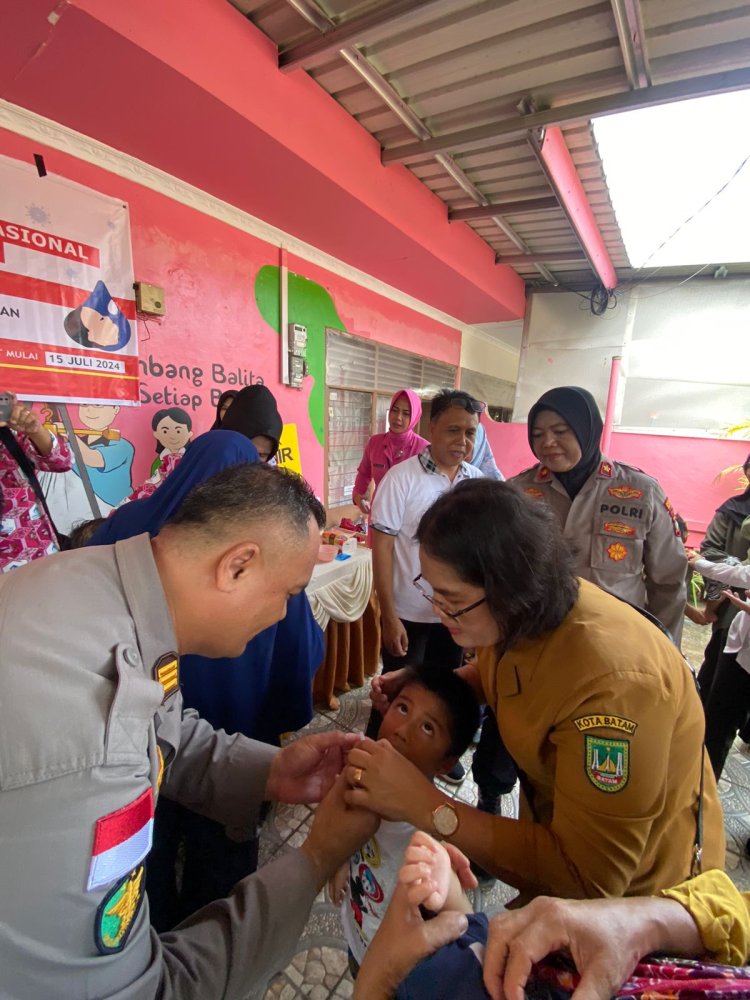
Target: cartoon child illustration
99,322
107,455
173,429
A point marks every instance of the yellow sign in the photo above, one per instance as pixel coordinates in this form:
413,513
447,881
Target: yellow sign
288,456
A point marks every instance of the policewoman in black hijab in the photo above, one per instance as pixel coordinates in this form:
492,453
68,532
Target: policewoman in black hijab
254,413
617,519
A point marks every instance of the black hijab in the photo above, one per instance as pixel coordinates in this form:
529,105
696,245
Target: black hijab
229,394
578,408
738,508
254,412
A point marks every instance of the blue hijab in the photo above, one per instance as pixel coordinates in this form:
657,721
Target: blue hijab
482,456
268,689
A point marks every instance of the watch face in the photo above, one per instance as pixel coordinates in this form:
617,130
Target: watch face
445,820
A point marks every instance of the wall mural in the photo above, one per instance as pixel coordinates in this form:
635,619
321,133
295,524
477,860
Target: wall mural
123,447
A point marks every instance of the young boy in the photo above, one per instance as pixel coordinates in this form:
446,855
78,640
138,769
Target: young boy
431,723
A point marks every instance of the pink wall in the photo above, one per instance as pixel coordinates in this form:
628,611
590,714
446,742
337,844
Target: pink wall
686,467
214,324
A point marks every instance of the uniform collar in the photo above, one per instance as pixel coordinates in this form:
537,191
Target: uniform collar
145,596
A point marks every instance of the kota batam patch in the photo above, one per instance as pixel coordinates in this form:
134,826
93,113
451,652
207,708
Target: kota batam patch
116,913
607,763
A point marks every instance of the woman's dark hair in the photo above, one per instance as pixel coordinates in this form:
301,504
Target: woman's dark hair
175,413
511,546
460,702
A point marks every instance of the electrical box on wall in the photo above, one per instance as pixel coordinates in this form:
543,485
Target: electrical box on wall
297,346
149,299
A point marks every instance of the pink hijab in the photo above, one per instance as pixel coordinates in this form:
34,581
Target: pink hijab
397,447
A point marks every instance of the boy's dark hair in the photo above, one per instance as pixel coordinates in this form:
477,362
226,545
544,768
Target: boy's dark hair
83,531
457,696
250,493
494,537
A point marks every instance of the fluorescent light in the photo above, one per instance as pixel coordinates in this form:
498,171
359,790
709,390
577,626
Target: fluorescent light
662,164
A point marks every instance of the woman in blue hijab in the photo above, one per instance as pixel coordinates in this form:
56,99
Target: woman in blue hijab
482,457
263,693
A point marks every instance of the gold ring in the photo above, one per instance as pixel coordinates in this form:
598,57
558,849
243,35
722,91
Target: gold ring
357,779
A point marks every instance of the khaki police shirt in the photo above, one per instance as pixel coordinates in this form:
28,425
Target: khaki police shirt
603,719
621,527
84,728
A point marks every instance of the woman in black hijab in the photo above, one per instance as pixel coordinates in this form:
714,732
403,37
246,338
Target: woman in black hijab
225,401
617,519
254,414
723,538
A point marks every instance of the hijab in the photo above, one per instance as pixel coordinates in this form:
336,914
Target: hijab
254,412
396,446
738,508
229,394
207,455
578,409
267,690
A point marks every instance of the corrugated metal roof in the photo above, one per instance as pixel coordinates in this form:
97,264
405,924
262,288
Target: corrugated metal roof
458,64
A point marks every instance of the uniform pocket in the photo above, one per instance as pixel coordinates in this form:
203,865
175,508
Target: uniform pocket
131,716
617,545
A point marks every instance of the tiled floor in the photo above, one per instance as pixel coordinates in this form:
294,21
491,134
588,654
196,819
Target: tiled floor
319,970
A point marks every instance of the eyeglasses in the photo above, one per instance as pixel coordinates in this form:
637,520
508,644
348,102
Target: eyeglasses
431,599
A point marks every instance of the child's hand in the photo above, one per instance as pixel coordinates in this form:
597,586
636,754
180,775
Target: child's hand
336,886
426,872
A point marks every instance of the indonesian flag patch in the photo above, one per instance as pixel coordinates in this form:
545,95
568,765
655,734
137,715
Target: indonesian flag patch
121,841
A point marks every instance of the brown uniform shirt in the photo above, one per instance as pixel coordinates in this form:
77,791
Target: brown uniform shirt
603,720
622,530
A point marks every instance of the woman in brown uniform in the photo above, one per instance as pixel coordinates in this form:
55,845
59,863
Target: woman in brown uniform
596,706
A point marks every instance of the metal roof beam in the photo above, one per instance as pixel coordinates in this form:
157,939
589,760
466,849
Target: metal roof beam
663,93
521,207
562,257
557,164
632,42
355,29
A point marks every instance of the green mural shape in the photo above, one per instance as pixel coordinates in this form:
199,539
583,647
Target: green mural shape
312,306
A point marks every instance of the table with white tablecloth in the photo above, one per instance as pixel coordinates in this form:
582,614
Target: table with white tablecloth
344,605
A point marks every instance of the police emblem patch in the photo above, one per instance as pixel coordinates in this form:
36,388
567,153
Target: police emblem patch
116,913
616,551
618,528
607,763
167,673
605,469
533,492
625,492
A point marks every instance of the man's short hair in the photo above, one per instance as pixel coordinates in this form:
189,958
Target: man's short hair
511,546
249,494
456,696
455,397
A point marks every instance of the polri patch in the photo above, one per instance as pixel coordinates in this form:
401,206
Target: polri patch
543,475
167,673
532,491
116,913
605,470
607,763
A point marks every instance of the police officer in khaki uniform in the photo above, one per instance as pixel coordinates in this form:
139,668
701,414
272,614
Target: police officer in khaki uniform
596,706
92,731
618,521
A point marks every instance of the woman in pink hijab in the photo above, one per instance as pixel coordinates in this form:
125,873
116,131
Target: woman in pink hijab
384,450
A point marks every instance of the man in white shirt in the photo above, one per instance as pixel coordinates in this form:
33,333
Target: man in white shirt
411,631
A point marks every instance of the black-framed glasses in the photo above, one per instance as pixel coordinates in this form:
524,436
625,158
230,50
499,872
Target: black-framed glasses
430,598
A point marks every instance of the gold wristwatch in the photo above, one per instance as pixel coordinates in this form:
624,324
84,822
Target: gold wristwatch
445,820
